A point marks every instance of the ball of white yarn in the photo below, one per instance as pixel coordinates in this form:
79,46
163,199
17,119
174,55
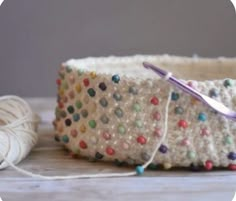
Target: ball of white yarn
17,130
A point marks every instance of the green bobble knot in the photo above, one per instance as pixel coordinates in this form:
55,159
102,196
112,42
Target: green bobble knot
91,92
136,107
78,104
138,123
228,140
191,155
121,129
92,124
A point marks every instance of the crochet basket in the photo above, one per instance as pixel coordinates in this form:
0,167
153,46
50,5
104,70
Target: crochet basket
113,109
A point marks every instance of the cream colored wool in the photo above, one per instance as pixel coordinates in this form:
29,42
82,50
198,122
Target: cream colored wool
185,145
17,130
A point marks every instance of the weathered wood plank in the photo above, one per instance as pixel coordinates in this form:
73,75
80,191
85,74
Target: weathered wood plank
50,158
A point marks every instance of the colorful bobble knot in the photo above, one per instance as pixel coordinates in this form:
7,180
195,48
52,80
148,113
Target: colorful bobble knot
68,69
70,109
208,165
163,149
93,140
228,140
68,122
232,156
138,123
115,78
117,96
145,156
80,72
63,114
182,124
58,81
156,116
102,86
118,112
65,139
86,82
110,151
205,132
93,74
232,167
191,155
174,96
121,129
76,117
65,85
103,102
83,144
179,110
136,107
141,140
202,117
82,128
228,83
139,170
57,138
152,166
73,133
92,124
213,93
78,104
104,119
84,113
71,94
194,167
98,155
154,100
78,88
167,166
133,90
91,92
106,135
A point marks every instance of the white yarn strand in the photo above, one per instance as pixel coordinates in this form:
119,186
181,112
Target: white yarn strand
164,134
20,126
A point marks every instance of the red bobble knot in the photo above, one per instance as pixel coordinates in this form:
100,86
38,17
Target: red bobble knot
58,82
154,100
185,142
106,135
157,132
208,165
182,124
156,116
232,167
141,140
86,82
110,151
205,132
83,144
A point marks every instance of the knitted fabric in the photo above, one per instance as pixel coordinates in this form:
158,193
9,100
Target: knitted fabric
113,109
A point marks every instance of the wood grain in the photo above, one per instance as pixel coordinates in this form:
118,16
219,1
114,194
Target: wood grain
50,158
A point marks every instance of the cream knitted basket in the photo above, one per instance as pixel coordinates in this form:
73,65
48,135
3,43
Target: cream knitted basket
113,109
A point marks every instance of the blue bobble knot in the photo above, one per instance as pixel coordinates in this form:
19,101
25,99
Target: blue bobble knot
139,170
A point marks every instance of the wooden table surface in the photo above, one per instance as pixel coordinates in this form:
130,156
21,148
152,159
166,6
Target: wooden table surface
49,158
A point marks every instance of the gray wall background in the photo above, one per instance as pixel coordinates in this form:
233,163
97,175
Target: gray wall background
37,35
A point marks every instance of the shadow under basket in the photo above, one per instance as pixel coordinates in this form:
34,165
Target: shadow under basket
113,109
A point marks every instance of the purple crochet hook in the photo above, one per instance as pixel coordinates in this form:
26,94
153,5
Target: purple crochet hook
217,106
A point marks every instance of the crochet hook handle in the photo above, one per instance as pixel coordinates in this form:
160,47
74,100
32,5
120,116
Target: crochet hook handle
173,80
217,106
